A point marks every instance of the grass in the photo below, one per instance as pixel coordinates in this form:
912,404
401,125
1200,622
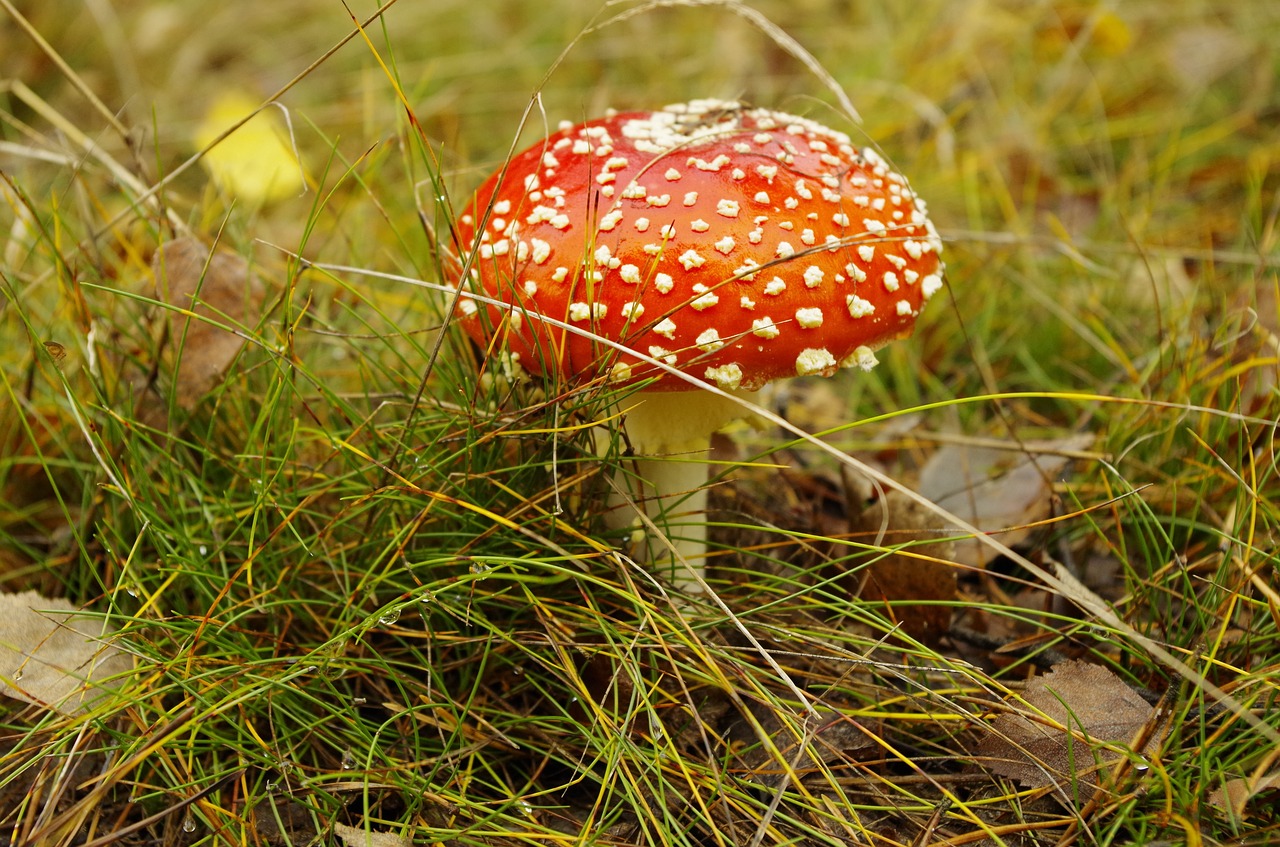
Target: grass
365,592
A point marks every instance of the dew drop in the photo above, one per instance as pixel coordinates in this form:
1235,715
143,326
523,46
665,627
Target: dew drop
389,617
188,825
348,760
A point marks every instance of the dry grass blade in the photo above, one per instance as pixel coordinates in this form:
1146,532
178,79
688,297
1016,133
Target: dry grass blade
771,30
65,69
119,835
59,823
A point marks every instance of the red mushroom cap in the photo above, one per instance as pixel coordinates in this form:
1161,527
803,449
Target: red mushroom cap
738,245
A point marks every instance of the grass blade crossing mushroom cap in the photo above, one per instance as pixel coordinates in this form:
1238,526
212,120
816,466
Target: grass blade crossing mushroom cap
740,245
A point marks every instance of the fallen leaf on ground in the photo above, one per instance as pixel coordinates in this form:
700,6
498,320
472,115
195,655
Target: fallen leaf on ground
766,750
352,836
1094,705
997,489
208,292
909,579
54,656
1236,795
255,164
1200,53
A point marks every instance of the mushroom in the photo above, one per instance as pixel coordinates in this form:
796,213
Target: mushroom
736,245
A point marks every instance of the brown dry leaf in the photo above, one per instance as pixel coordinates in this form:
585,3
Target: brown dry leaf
997,489
1093,704
1236,794
55,657
1200,53
921,572
353,836
1163,279
211,291
766,750
1256,312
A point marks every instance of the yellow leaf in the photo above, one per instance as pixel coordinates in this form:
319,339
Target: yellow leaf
255,164
1111,34
1103,31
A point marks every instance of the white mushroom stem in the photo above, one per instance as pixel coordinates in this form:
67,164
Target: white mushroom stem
672,491
670,432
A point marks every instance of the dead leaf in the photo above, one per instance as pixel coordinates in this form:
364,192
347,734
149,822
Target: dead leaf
997,489
1200,53
921,572
209,292
56,351
765,749
1250,331
1236,794
1161,279
1090,706
352,836
53,656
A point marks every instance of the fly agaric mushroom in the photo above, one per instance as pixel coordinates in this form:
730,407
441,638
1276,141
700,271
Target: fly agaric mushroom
736,245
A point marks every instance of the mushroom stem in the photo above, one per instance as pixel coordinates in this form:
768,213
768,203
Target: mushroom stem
671,434
672,490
